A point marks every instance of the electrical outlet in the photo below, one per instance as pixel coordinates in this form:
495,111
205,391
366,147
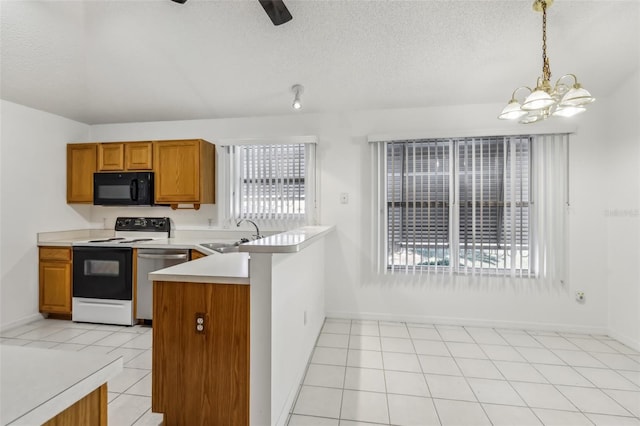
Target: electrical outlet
580,296
200,322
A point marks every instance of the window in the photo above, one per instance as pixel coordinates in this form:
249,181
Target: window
272,182
465,205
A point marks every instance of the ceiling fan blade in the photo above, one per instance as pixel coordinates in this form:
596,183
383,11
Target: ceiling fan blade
277,11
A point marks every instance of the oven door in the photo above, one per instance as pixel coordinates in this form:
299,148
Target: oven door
102,273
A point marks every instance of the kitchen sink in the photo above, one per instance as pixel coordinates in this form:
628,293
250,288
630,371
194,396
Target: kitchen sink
222,247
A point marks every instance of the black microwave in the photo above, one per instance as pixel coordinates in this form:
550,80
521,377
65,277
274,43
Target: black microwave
123,189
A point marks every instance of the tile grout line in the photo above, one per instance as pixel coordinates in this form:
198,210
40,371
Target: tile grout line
435,409
573,368
503,375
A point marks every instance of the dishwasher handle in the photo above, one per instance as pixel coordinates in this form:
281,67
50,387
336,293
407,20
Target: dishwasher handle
163,256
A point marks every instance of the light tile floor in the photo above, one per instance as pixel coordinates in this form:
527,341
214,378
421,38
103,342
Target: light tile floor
371,372
129,392
374,372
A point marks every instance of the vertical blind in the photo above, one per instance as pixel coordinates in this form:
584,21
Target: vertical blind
466,205
273,182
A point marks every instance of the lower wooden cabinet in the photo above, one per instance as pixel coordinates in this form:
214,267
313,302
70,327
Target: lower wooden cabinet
55,280
201,377
195,254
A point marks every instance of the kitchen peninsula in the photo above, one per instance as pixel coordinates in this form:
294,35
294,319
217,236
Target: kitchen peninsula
232,333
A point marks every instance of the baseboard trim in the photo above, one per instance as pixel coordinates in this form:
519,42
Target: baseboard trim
426,319
21,321
626,340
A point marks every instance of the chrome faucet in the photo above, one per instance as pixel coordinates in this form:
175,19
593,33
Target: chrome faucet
257,236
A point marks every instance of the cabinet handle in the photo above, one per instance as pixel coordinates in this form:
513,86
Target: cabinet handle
162,256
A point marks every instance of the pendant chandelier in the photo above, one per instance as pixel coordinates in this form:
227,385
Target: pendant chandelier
565,99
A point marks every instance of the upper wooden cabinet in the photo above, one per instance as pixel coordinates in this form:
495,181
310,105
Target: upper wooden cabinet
138,156
81,164
184,172
110,157
127,156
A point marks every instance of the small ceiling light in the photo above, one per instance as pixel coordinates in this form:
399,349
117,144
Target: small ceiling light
297,90
561,100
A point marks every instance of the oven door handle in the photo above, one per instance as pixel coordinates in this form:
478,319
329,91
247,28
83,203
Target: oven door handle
162,256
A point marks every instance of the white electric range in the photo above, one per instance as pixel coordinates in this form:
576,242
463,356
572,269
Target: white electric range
102,270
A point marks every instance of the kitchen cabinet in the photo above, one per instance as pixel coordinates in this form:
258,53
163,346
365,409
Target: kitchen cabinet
138,156
195,254
55,280
81,164
201,377
125,156
110,157
184,172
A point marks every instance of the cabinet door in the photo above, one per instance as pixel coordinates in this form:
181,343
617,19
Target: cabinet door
110,157
201,377
195,254
81,165
177,167
138,156
55,287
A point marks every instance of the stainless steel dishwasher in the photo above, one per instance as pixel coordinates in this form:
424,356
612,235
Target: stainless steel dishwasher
150,260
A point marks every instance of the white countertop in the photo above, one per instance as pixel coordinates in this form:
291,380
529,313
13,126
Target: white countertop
229,268
286,242
37,384
233,268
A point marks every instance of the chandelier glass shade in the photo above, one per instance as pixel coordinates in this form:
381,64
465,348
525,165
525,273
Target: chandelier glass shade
565,98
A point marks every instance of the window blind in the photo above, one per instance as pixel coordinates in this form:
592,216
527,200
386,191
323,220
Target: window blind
272,182
466,205
418,201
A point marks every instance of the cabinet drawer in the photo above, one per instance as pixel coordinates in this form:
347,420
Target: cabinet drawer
55,253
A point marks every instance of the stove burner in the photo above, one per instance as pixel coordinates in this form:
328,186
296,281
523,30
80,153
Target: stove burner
106,240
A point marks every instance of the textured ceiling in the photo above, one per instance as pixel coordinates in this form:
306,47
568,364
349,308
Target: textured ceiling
106,61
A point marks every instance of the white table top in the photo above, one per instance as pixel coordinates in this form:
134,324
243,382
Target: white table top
37,384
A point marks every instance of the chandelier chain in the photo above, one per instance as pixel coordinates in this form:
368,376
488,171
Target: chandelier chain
546,69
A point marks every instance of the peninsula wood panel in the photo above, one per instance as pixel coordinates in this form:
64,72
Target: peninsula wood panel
201,378
81,165
90,410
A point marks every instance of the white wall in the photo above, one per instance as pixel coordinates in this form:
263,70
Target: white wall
622,211
37,140
343,156
33,193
